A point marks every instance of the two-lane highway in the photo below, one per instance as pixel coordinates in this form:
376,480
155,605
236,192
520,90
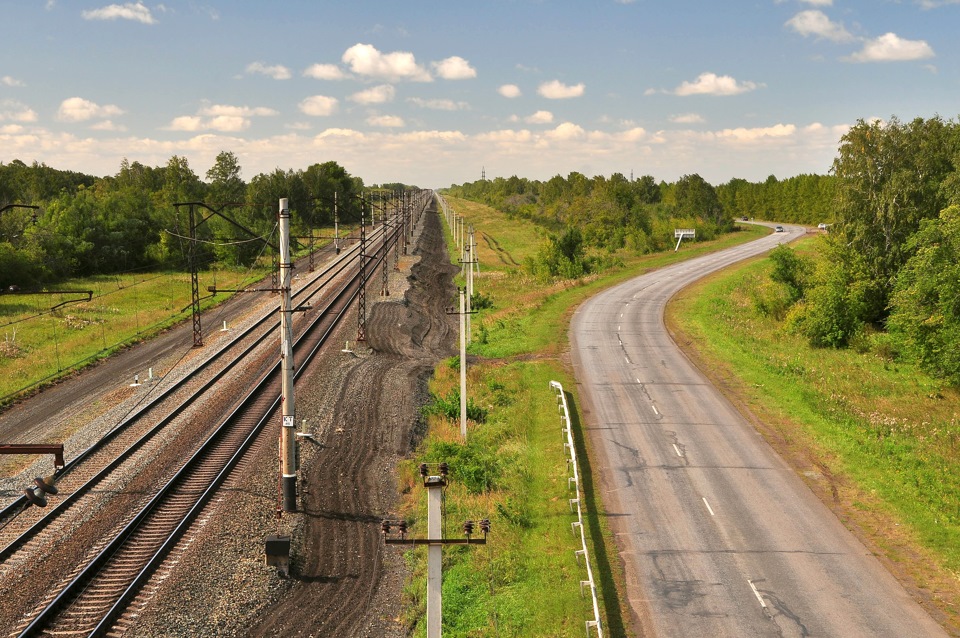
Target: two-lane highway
718,535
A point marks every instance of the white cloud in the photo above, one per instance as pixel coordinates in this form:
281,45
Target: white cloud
220,117
506,137
566,131
324,72
276,71
374,95
540,117
135,11
450,156
77,109
13,111
186,123
755,134
933,4
108,125
223,123
687,118
10,81
556,90
226,110
319,105
509,90
816,23
713,84
819,3
454,68
892,48
389,121
366,60
439,104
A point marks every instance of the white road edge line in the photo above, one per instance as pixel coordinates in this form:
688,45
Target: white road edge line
709,509
757,594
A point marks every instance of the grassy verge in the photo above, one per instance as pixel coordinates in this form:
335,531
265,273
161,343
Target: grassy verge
40,344
877,438
512,470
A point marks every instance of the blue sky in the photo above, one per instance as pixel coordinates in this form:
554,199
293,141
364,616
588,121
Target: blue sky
431,92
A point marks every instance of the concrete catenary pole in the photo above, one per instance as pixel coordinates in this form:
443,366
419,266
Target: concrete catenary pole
288,439
336,224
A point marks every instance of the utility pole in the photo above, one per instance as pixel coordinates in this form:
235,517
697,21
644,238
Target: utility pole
468,264
463,362
288,439
435,542
463,367
473,250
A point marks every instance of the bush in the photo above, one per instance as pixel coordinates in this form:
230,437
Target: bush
476,467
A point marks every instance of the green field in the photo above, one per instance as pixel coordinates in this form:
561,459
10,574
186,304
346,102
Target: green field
41,343
526,581
876,437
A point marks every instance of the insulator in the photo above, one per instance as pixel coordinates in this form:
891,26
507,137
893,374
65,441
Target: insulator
35,496
485,526
402,526
444,468
385,527
46,484
468,527
423,470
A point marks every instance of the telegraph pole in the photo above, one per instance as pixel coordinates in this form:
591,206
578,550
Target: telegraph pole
463,362
468,263
288,440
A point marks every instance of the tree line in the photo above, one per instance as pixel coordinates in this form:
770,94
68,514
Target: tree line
88,225
887,276
608,214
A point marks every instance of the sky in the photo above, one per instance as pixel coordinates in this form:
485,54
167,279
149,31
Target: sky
433,93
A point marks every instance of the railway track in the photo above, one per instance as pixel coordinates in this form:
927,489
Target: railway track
115,565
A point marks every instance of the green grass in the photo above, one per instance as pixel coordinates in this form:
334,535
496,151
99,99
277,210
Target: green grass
526,581
886,431
39,344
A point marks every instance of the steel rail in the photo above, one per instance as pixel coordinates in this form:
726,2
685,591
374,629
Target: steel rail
335,268
69,593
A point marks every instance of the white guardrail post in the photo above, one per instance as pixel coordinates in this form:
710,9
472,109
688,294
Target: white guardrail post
578,524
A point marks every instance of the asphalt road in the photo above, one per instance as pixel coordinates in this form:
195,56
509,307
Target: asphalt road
719,536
